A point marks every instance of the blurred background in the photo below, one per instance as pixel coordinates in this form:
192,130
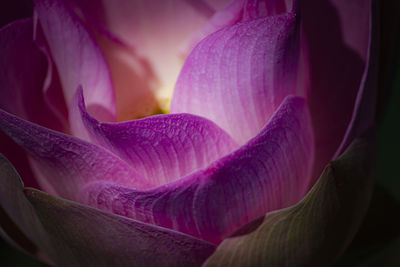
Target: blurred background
377,243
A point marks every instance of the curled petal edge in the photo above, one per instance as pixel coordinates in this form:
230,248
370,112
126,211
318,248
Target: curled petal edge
315,231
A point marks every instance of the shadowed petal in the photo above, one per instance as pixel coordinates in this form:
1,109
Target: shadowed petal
78,58
271,171
238,76
315,231
23,70
365,106
254,9
14,203
337,33
89,237
65,162
71,234
161,148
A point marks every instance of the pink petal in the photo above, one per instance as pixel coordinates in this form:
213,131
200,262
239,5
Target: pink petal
271,171
227,16
160,148
65,162
152,32
238,76
23,69
155,30
237,11
337,34
78,58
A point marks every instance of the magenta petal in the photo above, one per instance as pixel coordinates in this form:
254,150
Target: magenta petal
316,230
271,171
238,76
78,58
160,148
65,162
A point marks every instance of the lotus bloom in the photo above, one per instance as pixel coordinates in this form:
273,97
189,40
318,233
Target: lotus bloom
188,132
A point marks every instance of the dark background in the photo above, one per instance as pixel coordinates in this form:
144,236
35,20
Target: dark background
378,241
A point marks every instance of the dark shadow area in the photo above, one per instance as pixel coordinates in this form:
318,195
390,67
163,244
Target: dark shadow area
389,53
13,232
13,10
13,257
381,223
377,243
336,72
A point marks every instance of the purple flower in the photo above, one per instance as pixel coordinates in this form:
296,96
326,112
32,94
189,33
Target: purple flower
269,93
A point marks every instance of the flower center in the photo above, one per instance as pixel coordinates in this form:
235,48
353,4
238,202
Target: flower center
164,97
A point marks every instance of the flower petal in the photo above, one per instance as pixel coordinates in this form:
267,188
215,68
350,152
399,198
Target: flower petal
238,76
154,28
71,234
22,72
363,116
19,210
65,162
78,58
236,11
272,171
151,32
160,148
228,15
89,237
317,229
337,34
